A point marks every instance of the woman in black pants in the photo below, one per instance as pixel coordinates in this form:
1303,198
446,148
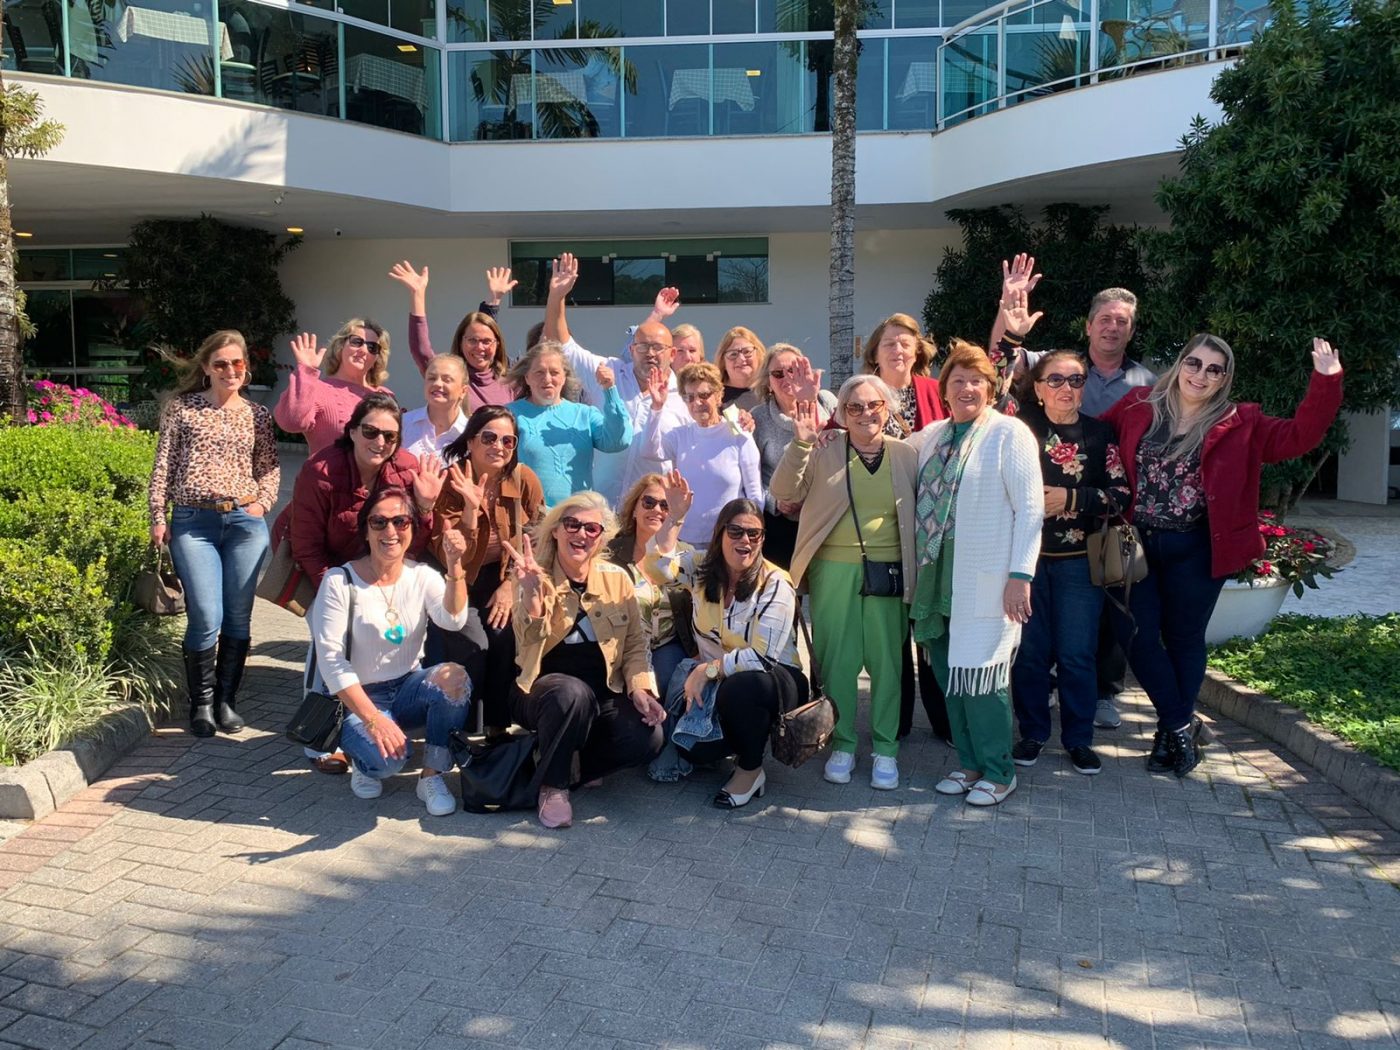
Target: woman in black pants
744,614
586,687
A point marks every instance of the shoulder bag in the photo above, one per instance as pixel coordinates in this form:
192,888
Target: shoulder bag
158,589
284,583
316,723
1116,558
878,579
803,730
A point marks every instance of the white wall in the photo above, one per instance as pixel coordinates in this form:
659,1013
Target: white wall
1363,471
332,280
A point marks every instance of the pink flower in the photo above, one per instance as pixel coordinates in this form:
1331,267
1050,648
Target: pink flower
47,417
33,416
1309,546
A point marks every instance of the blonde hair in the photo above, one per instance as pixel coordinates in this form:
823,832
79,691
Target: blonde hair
739,332
761,386
689,331
1165,398
189,371
378,371
545,549
923,354
627,512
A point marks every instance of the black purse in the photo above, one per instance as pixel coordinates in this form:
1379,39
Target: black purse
497,772
878,579
316,723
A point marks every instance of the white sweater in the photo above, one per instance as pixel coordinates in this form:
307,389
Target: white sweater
718,464
996,531
417,596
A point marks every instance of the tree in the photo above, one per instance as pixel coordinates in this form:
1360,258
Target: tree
1285,217
23,133
842,276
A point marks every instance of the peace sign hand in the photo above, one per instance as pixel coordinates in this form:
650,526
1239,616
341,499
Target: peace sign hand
473,493
527,571
305,350
1325,359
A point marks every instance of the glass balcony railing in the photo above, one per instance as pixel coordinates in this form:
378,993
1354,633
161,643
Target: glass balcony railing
540,69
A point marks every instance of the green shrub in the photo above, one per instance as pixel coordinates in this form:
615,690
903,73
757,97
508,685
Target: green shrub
98,460
46,701
145,666
84,529
48,604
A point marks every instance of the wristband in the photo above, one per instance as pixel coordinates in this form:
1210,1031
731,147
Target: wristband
1012,338
450,576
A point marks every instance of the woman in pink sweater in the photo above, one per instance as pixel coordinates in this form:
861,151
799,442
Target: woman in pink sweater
321,396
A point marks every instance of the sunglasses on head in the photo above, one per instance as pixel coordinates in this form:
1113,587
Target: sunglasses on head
1193,366
378,522
1054,380
490,437
375,433
651,503
738,532
356,343
572,526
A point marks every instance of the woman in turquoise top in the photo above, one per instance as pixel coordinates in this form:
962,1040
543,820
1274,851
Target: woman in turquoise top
558,437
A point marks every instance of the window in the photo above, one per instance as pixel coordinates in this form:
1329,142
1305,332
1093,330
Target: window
630,273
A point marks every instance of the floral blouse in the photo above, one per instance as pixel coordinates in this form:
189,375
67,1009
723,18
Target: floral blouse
1169,492
907,409
1082,457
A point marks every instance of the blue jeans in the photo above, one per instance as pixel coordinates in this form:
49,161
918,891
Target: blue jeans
217,556
1171,608
413,702
665,659
1063,630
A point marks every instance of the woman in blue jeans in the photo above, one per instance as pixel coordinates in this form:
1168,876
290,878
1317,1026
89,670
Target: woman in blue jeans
368,622
216,462
1084,482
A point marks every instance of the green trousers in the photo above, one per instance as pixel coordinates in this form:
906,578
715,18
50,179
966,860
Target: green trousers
849,633
981,722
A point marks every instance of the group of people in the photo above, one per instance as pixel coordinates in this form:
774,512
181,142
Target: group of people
609,549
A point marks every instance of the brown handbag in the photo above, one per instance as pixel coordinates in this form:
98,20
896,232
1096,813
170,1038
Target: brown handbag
157,589
803,731
284,583
1116,557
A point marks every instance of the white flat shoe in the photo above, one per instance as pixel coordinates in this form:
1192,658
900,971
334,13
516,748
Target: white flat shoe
985,793
955,783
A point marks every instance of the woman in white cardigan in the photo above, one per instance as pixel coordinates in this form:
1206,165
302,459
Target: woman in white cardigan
979,509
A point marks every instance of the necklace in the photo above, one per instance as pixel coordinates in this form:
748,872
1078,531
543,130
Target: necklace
394,633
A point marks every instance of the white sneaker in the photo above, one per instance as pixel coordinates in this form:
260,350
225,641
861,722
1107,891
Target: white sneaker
838,767
363,785
884,774
434,794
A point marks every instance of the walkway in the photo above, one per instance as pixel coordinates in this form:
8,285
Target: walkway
1370,583
219,893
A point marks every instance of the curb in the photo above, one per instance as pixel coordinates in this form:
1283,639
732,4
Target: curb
1375,787
41,785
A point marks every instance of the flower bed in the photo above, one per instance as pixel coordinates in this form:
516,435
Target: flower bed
1293,556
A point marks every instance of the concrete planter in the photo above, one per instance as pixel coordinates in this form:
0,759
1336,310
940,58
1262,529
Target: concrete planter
40,786
1245,610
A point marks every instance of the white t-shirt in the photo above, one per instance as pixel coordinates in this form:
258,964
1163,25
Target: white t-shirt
420,437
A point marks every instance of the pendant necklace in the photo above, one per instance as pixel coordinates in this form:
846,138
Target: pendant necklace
394,633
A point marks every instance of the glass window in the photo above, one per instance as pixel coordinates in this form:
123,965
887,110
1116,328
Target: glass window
870,85
468,21
821,85
733,16
52,315
33,37
630,273
160,44
910,14
277,58
795,16
670,92
390,83
509,19
482,105
86,337
759,88
555,21
44,264
743,279
96,264
696,277
954,11
409,16
1045,45
913,83
614,18
687,18
969,74
638,280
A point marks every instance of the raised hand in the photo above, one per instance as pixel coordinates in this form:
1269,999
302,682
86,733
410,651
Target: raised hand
657,388
1325,359
427,483
1016,315
564,276
1019,275
413,280
498,283
807,381
454,545
306,352
678,494
806,423
668,301
473,493
605,377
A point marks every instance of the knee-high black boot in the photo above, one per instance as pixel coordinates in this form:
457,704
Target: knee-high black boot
233,654
199,677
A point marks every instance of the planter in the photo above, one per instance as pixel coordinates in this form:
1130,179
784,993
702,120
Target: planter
1245,610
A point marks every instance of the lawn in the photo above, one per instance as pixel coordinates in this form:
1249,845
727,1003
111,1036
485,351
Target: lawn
1344,673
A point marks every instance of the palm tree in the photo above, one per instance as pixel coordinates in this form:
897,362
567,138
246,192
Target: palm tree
842,275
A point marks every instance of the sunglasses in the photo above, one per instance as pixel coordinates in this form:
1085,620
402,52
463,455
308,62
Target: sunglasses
860,408
375,433
698,395
651,503
782,373
1054,380
1193,366
738,532
572,526
400,522
490,437
229,366
356,343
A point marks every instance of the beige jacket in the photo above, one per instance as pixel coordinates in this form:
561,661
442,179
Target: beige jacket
816,478
611,604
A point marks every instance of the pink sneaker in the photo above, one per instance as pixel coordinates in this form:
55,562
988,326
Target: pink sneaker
555,810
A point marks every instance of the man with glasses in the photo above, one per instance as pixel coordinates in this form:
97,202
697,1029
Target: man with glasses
650,348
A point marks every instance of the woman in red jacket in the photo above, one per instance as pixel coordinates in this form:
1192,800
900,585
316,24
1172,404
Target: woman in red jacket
1192,457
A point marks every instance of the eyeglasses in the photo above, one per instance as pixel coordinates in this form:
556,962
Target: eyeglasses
738,532
1054,380
490,437
1193,366
572,526
375,433
698,395
356,343
782,373
400,522
735,353
652,348
484,343
860,408
651,503
229,366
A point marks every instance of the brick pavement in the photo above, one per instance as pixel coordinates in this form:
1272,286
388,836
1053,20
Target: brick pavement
219,893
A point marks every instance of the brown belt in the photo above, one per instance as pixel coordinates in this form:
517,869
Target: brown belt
223,506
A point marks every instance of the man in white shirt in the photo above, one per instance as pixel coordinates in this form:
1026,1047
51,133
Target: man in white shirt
614,473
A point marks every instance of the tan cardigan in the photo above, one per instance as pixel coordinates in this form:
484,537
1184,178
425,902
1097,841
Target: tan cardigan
816,478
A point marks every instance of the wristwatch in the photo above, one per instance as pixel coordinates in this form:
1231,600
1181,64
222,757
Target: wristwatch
712,671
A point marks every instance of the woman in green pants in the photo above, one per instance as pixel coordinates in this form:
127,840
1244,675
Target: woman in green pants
857,496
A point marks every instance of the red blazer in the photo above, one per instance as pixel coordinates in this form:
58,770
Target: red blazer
325,508
928,400
1230,460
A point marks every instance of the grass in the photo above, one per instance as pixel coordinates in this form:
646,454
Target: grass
1342,672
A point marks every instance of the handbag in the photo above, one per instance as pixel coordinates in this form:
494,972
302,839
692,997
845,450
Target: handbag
284,583
497,772
317,720
157,589
804,730
1117,560
878,579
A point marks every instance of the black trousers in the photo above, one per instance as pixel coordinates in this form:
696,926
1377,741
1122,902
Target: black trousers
488,653
583,733
746,707
1112,661
930,692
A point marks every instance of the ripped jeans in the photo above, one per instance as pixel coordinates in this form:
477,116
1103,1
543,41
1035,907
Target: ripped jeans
415,701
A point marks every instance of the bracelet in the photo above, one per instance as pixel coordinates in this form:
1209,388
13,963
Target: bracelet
1012,338
450,576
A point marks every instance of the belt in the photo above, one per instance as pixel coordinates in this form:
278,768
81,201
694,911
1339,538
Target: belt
223,506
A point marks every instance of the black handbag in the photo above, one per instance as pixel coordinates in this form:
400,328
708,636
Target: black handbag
497,772
878,579
316,723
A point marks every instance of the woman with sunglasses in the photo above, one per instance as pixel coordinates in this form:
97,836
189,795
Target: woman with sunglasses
744,616
217,464
381,603
491,497
1192,458
1084,482
739,358
325,385
586,687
